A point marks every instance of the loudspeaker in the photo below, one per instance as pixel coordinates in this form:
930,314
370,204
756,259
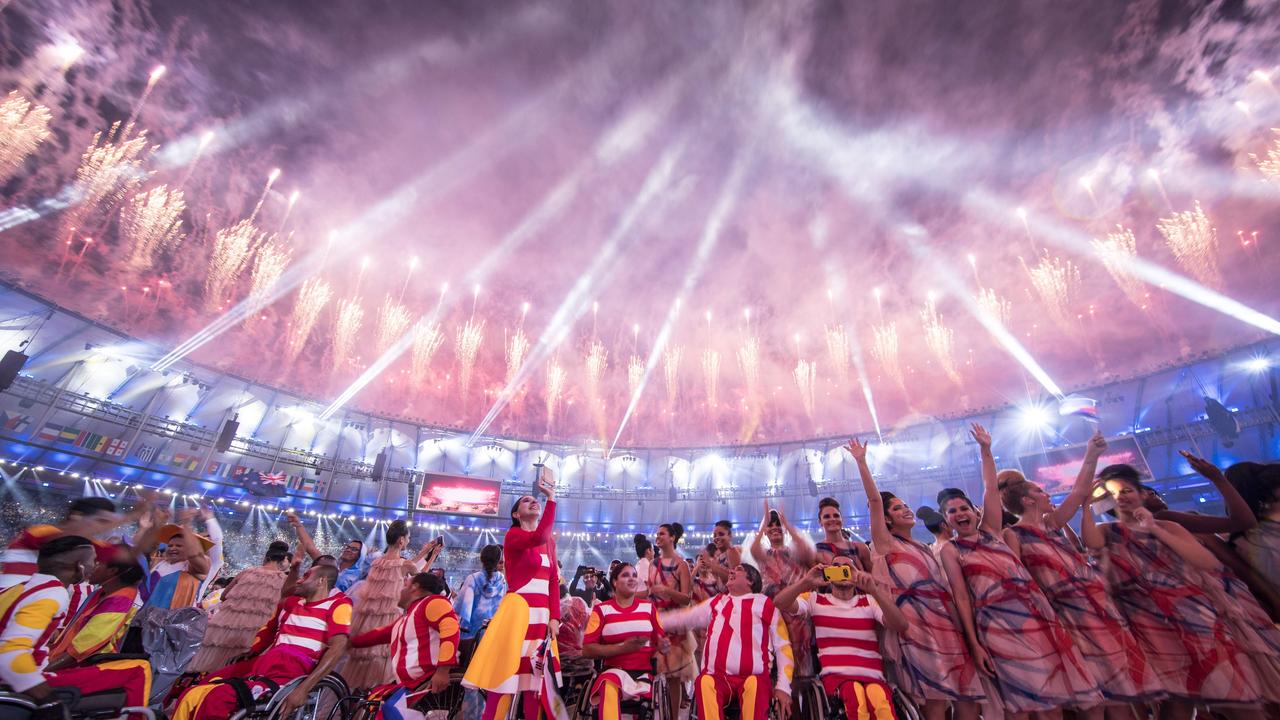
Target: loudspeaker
379,466
10,364
229,429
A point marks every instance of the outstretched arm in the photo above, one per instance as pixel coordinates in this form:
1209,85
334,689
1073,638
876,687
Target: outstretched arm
802,550
757,543
298,698
1239,515
1084,481
1181,541
786,598
304,537
880,534
992,510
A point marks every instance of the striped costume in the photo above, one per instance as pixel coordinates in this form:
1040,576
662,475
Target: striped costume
628,675
849,652
422,639
29,616
746,635
287,647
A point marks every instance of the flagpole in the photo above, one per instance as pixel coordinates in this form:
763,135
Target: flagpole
280,447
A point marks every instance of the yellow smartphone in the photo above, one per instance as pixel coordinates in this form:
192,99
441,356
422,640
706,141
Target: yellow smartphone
837,573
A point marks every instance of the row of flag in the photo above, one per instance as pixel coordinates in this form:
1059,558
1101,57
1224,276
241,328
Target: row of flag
243,475
87,439
276,484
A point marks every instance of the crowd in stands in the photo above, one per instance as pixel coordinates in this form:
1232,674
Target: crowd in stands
1020,606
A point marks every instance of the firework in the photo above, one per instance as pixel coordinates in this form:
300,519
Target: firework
517,347
23,126
393,321
232,247
711,375
940,339
596,363
427,339
1116,252
1194,242
268,265
839,353
806,375
1057,284
671,371
749,362
109,169
467,346
556,377
995,306
345,330
152,223
266,190
884,346
314,294
1269,165
635,374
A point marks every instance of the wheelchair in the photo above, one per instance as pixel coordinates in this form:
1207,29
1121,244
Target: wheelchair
363,707
68,703
326,698
652,708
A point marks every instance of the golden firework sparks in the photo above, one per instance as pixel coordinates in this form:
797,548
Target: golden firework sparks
467,347
749,362
839,353
314,294
711,375
1116,252
23,126
151,222
268,265
596,363
556,377
939,338
806,376
671,357
346,331
109,169
232,247
995,306
1057,284
1194,242
884,347
517,348
635,374
393,321
427,339
1268,164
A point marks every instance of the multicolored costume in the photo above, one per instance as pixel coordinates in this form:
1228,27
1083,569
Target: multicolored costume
252,600
1037,665
286,648
424,638
98,627
1086,610
1252,628
849,652
1187,643
628,675
932,657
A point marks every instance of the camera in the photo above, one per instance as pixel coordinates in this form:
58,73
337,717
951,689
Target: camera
837,573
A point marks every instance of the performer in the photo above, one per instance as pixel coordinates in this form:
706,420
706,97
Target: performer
304,639
31,612
245,607
1013,633
746,637
1077,590
712,566
934,668
1157,571
521,632
99,626
837,541
1259,546
424,646
625,632
670,587
175,580
844,622
780,565
89,517
937,527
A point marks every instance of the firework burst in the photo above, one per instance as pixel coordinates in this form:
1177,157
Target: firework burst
995,306
268,265
1057,284
940,339
1116,252
312,298
596,363
635,374
884,347
1194,242
346,330
711,376
109,169
151,222
23,126
467,348
671,357
839,353
427,339
556,377
232,247
1268,164
517,348
749,362
806,376
393,320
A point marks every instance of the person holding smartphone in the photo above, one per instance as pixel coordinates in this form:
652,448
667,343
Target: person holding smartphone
516,651
844,624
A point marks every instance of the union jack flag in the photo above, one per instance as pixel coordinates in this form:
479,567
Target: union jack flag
272,478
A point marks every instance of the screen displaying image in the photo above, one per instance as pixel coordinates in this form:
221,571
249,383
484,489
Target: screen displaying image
1055,470
460,495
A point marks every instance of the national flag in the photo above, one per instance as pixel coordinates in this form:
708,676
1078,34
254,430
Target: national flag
146,453
49,433
14,423
69,435
294,482
308,485
553,706
184,461
255,483
218,469
88,440
1084,407
116,447
273,479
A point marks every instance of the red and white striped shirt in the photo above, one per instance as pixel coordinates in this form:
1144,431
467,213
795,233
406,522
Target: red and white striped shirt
18,560
611,624
846,634
306,627
742,632
423,638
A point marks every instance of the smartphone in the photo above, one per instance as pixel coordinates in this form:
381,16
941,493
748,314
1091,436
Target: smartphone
537,479
837,573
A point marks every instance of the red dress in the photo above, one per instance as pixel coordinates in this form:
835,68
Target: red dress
1080,596
1037,665
1188,644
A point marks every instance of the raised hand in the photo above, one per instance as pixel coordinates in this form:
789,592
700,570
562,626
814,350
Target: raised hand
857,449
1097,445
814,577
1204,467
863,581
186,515
1145,519
981,436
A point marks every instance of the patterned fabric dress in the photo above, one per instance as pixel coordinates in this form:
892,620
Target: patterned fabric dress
825,548
1189,646
1037,665
230,630
932,658
778,571
1251,626
678,662
376,604
1260,547
1086,610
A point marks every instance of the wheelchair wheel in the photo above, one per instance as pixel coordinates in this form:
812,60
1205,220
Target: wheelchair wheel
328,696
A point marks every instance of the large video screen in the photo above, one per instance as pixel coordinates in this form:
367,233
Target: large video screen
459,495
1055,470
